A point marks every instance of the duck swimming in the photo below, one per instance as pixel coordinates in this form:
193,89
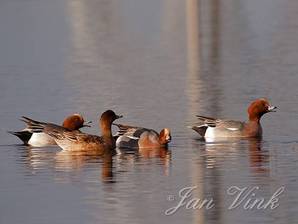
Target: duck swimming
213,128
40,139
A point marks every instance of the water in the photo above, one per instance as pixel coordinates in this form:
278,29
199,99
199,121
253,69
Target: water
158,63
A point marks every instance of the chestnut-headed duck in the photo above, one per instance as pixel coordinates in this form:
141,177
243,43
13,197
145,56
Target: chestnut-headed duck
76,140
72,122
212,128
139,137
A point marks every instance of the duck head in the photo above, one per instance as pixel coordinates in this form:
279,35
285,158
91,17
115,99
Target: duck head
75,122
165,136
258,108
107,118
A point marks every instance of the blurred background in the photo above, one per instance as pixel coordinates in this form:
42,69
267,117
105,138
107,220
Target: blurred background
158,63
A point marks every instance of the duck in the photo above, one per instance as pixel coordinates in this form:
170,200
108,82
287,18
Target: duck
75,140
72,122
139,137
212,128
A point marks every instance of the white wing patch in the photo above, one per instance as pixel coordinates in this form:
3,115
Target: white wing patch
132,137
233,129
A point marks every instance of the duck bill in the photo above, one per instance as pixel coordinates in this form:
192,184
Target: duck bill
118,116
272,109
87,124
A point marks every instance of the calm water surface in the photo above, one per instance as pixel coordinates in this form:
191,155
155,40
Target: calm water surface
158,63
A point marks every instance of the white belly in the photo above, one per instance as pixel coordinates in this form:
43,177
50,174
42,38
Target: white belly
40,140
210,133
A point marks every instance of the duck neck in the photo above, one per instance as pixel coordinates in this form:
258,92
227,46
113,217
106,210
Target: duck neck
254,119
106,128
253,127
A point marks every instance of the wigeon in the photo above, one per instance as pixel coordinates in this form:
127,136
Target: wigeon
138,137
76,140
72,122
212,128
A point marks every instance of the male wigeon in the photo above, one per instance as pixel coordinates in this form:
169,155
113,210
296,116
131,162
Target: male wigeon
212,128
72,122
138,137
74,140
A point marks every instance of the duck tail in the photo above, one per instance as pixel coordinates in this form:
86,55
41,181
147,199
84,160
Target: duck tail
23,135
201,129
33,126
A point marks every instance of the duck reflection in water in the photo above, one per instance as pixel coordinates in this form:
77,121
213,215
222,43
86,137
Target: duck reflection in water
36,160
130,158
69,161
258,157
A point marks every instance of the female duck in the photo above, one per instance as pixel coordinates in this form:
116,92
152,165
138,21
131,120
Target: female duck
76,140
212,128
138,137
72,122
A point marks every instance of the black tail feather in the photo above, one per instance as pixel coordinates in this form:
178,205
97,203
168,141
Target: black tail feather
200,129
23,135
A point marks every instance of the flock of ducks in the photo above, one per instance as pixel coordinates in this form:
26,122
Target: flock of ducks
69,137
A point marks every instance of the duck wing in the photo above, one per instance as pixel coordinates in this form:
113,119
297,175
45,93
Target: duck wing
208,122
128,131
80,137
